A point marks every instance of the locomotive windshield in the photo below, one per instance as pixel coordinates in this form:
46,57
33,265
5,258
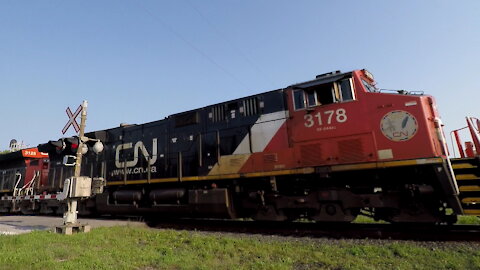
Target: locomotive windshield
369,86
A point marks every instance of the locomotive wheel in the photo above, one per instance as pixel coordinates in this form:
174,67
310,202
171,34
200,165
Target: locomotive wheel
45,209
61,209
29,208
422,215
333,212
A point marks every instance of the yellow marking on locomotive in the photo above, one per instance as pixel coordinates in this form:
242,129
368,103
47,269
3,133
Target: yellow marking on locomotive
386,164
467,177
469,188
229,164
471,200
5,190
307,170
472,212
233,163
463,166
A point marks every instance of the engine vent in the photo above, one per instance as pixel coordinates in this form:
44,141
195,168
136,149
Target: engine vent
351,150
311,154
270,158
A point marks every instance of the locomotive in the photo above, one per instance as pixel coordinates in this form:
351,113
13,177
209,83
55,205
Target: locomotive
326,150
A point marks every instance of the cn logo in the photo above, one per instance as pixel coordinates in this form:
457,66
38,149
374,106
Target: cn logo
138,146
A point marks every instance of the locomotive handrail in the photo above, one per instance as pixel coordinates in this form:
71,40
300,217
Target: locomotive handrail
15,189
458,141
474,133
28,186
403,92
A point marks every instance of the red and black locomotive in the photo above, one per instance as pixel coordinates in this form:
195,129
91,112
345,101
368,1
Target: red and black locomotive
327,150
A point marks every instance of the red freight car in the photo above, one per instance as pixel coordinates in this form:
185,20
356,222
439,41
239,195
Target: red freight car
23,172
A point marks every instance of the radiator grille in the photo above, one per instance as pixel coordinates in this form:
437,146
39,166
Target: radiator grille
270,158
311,154
351,150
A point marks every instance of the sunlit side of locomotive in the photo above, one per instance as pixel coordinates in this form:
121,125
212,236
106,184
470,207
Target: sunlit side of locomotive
328,150
357,139
344,119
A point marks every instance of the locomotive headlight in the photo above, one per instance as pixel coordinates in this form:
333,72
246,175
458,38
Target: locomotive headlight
98,147
368,74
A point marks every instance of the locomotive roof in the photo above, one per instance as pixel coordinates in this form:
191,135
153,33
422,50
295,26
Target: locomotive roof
320,79
11,156
14,155
323,78
26,153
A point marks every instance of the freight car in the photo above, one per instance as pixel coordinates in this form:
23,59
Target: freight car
22,173
328,149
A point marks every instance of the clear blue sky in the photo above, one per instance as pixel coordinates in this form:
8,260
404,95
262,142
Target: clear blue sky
139,61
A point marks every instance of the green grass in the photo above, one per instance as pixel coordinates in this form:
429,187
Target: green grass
465,220
471,220
143,248
364,219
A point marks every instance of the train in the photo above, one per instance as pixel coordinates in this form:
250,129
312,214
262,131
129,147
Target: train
326,150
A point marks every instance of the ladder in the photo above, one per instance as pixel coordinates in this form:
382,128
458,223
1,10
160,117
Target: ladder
467,173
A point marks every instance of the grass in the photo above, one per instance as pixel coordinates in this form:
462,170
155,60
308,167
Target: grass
364,219
143,248
470,220
464,220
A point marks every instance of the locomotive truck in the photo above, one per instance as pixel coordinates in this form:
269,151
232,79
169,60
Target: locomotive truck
327,150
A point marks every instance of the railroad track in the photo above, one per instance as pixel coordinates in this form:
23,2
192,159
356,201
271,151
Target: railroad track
415,232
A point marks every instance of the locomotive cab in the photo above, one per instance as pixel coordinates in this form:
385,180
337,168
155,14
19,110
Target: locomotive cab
346,128
327,122
346,110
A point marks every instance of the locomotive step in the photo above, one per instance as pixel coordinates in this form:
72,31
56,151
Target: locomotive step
471,200
463,166
469,188
467,177
472,212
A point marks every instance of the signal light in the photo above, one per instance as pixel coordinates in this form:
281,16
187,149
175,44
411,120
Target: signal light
72,144
52,146
69,146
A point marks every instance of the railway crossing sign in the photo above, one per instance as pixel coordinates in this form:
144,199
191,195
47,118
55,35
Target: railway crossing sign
72,119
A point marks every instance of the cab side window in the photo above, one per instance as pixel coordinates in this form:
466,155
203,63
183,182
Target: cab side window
299,99
346,90
312,99
323,94
320,95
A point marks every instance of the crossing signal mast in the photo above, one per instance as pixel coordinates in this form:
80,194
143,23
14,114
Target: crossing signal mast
73,149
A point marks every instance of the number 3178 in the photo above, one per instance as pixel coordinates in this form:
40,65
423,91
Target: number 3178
339,115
